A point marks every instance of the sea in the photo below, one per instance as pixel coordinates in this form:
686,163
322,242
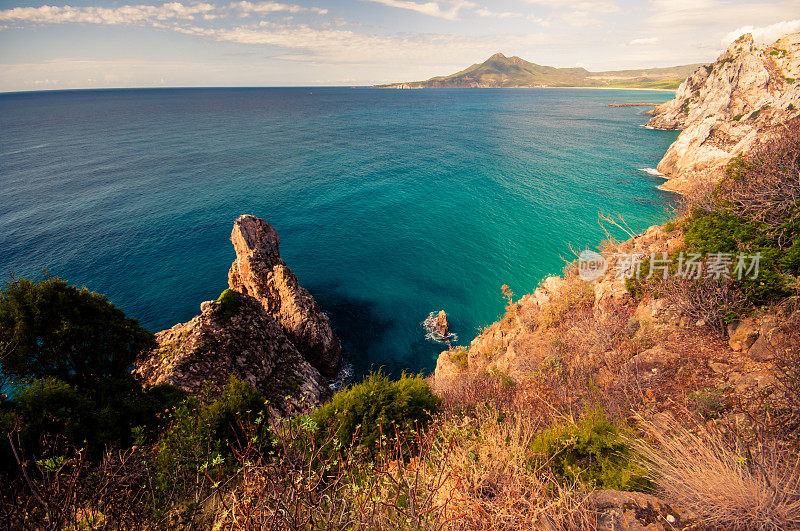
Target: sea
390,204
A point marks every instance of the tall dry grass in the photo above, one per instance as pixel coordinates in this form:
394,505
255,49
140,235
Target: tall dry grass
471,469
727,484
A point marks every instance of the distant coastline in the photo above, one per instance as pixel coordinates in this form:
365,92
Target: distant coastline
500,71
382,87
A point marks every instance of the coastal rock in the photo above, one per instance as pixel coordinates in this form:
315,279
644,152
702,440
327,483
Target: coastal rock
442,324
727,107
266,330
235,337
259,272
651,361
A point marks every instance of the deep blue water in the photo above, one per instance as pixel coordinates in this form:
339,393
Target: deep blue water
389,204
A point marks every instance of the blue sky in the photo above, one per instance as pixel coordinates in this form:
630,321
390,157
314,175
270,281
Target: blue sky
145,43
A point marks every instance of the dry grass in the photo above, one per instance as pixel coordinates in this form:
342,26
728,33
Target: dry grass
493,482
471,469
726,485
765,187
712,301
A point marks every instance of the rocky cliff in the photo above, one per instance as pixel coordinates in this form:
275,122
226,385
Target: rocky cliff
266,329
260,272
571,329
728,106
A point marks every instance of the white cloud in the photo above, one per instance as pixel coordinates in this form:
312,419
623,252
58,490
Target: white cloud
338,46
102,15
596,6
137,14
580,19
484,12
245,8
764,34
693,14
644,41
433,9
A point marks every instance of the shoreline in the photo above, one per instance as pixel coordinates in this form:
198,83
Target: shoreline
524,88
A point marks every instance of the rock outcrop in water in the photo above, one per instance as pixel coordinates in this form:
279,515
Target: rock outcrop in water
260,272
442,324
266,330
725,108
235,337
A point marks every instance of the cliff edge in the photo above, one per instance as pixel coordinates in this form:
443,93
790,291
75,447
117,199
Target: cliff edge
727,107
640,327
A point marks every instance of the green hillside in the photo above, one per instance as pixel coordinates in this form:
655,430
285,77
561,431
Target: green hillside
502,71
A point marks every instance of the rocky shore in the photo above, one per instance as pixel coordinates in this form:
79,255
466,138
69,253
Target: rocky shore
265,329
726,108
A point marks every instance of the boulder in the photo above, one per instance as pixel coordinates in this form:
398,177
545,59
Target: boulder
761,350
635,511
743,335
652,361
441,324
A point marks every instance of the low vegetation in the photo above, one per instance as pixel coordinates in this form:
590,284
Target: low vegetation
596,398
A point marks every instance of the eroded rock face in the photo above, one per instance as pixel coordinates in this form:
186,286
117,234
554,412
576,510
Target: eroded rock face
259,272
235,339
727,107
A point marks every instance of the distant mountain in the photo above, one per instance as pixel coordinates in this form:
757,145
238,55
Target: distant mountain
501,71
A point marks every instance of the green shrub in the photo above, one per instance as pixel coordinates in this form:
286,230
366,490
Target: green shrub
64,332
723,232
238,404
593,451
117,414
51,406
231,301
459,357
709,403
377,405
506,381
204,432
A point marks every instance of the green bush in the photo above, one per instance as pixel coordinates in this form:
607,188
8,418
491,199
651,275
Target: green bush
709,403
592,451
377,405
723,232
204,432
57,330
227,416
118,413
458,356
231,301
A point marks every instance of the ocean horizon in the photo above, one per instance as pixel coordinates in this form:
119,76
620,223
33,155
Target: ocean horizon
390,204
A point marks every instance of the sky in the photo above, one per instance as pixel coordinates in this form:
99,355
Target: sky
146,43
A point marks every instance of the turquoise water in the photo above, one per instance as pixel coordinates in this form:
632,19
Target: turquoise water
390,204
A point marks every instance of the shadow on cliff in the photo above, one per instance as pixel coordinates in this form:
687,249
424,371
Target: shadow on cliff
371,340
358,324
